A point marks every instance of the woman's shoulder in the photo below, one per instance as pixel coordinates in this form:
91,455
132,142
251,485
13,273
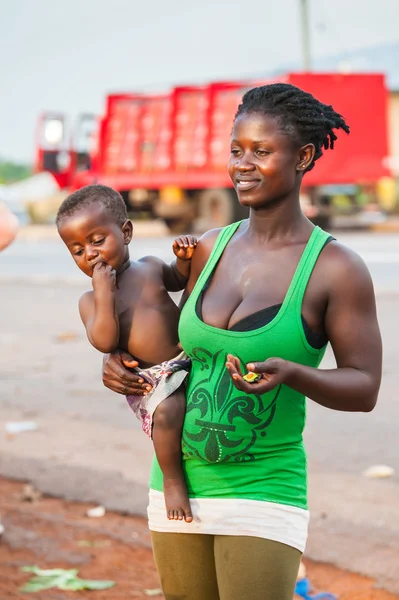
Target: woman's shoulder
203,250
201,255
341,266
208,239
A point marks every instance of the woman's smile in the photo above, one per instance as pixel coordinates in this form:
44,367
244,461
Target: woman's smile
244,184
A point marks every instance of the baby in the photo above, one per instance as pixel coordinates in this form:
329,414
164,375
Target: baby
130,308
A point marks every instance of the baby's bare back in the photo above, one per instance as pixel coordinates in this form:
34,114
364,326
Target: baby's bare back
148,317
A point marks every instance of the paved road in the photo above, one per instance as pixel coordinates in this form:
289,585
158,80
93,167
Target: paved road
49,259
89,447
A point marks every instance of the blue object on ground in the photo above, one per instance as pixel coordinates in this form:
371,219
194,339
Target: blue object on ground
303,588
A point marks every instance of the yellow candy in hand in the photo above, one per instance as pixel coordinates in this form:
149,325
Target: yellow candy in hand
251,377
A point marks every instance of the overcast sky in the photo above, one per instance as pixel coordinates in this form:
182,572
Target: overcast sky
65,55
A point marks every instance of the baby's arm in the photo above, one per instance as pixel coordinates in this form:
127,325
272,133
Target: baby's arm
183,248
177,273
97,310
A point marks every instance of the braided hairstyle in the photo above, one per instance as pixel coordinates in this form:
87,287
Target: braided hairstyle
300,115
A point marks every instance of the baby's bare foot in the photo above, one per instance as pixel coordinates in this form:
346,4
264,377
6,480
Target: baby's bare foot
176,500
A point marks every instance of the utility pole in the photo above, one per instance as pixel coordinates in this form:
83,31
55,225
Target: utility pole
306,61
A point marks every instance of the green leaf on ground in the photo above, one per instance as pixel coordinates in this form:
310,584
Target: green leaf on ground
50,572
62,579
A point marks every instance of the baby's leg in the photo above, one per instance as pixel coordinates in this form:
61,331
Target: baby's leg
168,421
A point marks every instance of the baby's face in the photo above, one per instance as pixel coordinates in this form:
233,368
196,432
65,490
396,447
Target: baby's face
92,236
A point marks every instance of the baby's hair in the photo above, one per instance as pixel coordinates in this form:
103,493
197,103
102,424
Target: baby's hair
300,115
110,199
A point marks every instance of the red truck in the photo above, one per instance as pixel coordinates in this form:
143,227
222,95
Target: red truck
167,154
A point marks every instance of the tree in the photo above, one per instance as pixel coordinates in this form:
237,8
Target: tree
11,171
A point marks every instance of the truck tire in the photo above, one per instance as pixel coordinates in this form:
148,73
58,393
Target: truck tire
217,208
178,226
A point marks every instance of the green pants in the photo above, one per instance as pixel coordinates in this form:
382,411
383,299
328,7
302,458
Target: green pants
224,567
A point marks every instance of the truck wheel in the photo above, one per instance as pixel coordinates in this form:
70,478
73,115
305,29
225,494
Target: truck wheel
217,208
178,226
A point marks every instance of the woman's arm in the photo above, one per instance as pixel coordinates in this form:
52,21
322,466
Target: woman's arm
118,376
352,328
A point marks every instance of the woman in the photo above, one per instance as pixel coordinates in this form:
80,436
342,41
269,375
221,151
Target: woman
265,295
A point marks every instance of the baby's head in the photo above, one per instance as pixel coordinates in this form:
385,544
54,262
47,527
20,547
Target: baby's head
94,226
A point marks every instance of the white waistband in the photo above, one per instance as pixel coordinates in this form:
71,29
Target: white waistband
230,516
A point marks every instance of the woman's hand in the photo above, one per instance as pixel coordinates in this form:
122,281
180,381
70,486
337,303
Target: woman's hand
118,378
273,372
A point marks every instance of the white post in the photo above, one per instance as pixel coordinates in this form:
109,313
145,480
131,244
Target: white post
306,61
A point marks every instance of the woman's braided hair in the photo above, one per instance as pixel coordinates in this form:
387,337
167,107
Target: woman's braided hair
300,115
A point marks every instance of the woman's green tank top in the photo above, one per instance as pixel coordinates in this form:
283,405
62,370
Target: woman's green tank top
237,445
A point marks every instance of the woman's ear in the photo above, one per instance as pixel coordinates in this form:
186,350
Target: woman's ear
305,157
127,230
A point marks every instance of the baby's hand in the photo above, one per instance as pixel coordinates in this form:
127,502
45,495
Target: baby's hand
184,246
103,278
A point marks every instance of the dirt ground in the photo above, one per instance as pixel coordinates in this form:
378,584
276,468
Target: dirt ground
52,533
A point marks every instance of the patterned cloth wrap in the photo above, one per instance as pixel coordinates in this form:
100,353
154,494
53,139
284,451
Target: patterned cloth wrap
165,379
